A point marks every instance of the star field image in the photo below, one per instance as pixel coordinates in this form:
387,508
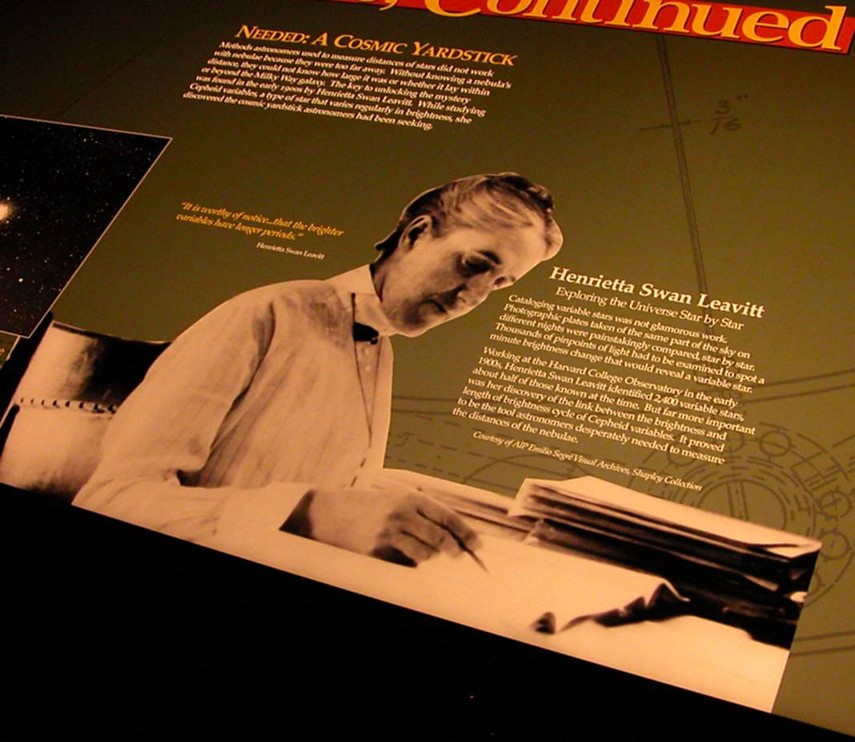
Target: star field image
60,187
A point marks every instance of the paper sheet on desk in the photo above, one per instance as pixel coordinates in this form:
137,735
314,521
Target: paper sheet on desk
543,590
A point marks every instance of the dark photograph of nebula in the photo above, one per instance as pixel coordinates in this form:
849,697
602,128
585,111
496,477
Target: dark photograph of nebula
60,188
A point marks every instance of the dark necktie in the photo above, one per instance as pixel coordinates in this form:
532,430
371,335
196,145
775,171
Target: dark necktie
365,333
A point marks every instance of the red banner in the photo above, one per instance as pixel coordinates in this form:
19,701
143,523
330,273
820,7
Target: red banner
824,32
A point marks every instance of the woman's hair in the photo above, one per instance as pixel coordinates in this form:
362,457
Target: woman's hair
487,201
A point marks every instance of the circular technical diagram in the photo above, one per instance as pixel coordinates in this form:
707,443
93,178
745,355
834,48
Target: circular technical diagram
780,479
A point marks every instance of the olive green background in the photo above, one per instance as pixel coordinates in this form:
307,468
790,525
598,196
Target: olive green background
587,116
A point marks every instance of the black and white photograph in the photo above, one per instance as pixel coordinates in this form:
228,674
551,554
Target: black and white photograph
265,424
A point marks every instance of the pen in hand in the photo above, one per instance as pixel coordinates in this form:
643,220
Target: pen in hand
453,524
467,550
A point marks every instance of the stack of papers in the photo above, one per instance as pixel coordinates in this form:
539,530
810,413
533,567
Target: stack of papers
731,570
